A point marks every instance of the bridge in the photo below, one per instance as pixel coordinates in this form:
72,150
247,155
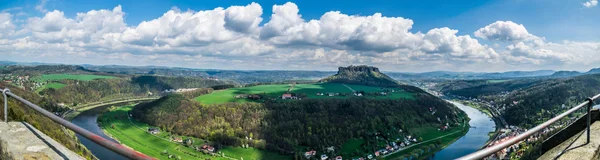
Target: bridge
575,141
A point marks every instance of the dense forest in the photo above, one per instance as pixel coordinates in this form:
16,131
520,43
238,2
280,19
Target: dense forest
285,126
478,88
545,99
80,92
17,111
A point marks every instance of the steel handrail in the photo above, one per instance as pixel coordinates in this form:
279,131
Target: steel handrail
117,148
494,149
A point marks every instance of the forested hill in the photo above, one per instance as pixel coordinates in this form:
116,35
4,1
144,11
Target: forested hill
287,126
78,92
17,111
545,99
363,75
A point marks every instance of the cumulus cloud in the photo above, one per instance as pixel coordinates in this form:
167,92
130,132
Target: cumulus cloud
234,38
505,31
590,4
537,54
243,19
6,26
190,28
444,40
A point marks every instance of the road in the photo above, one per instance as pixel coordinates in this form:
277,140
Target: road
349,87
76,110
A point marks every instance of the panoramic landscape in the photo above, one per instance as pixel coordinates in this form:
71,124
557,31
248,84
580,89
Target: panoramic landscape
254,80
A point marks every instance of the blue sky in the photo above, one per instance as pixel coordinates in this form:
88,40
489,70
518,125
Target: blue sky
555,34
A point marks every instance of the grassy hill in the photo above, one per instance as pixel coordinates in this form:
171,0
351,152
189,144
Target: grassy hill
306,91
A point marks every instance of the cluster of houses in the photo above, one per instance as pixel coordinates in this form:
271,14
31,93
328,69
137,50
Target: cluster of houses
331,94
388,149
206,148
180,90
248,96
288,96
20,81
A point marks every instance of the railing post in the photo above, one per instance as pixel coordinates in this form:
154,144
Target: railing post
589,117
5,104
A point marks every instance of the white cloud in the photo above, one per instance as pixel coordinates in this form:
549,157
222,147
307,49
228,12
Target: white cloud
243,19
538,54
86,27
590,4
444,40
41,6
505,31
233,38
7,28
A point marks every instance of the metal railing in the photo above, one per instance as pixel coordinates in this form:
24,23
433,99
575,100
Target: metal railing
117,148
494,149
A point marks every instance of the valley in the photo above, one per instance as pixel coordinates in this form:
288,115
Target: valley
358,112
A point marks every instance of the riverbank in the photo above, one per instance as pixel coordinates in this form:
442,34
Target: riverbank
480,124
486,111
431,145
69,115
132,133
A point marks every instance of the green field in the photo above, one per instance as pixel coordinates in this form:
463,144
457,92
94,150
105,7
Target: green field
133,134
310,90
51,85
81,77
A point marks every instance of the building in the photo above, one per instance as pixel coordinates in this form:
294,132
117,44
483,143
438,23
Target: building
310,154
286,96
153,130
324,157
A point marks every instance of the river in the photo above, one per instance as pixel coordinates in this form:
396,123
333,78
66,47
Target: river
475,138
87,120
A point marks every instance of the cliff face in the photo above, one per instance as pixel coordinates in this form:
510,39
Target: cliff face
362,68
364,75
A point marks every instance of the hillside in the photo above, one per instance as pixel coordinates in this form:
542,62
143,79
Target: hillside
560,74
526,102
19,112
363,75
312,121
545,98
79,92
308,124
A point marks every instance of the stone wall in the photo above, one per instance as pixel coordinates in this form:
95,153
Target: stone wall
20,141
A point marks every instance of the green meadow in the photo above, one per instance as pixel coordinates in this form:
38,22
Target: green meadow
310,90
51,85
133,134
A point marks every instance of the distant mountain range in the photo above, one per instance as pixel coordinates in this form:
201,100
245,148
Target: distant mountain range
395,75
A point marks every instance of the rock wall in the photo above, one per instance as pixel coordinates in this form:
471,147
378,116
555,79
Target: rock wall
361,68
